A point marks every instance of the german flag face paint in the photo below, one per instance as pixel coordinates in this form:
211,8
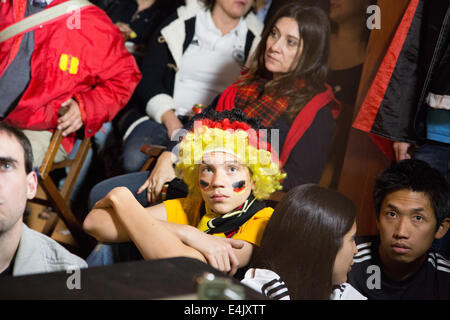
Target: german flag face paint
223,181
238,186
204,184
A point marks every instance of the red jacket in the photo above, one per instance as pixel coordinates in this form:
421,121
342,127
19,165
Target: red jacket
81,55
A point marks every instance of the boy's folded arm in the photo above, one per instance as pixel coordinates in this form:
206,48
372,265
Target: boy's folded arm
120,217
103,225
102,221
147,229
225,254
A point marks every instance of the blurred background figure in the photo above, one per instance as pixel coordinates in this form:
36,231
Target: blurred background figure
195,55
138,19
277,4
261,8
348,43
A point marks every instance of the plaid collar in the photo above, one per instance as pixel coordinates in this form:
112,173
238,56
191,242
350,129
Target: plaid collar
257,104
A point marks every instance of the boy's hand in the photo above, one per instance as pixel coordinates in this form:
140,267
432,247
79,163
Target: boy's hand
162,172
218,251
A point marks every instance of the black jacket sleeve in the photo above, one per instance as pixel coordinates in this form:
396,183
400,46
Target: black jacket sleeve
308,157
158,68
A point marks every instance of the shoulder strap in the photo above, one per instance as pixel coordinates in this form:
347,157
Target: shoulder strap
30,22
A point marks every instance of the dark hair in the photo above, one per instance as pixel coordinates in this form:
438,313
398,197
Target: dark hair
234,114
24,142
414,175
314,30
209,4
303,237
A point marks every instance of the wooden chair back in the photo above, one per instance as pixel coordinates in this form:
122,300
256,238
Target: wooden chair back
59,199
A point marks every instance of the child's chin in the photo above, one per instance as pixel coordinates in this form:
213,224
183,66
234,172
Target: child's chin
220,208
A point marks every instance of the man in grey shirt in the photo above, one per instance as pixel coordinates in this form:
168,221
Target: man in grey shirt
22,250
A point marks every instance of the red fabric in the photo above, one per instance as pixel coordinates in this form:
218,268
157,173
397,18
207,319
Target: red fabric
81,107
224,124
226,99
373,100
18,11
254,102
104,80
384,144
255,138
304,120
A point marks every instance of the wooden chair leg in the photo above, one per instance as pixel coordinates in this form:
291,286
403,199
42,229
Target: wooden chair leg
83,240
153,152
69,183
50,225
75,169
60,199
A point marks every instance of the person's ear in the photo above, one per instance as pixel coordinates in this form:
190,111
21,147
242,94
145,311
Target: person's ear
31,185
253,185
443,228
377,222
252,182
250,178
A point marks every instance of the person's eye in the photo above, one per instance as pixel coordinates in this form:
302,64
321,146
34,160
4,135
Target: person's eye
391,214
206,169
274,33
5,165
418,218
292,43
233,169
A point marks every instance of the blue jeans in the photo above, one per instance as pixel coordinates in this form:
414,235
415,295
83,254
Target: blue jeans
98,141
438,157
147,132
130,180
107,254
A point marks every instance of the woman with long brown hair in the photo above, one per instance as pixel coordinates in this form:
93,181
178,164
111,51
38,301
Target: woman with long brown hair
285,87
307,248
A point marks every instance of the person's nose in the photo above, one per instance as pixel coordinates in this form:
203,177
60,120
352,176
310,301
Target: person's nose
402,228
219,179
276,45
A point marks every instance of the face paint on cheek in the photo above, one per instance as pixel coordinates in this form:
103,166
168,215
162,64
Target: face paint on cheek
203,184
238,186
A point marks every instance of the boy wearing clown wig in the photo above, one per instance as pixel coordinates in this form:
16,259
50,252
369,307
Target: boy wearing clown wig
229,170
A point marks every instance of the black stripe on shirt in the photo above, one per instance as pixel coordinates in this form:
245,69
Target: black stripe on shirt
280,296
274,290
269,284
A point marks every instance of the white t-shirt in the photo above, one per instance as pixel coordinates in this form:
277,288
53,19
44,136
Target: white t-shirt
210,64
270,284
